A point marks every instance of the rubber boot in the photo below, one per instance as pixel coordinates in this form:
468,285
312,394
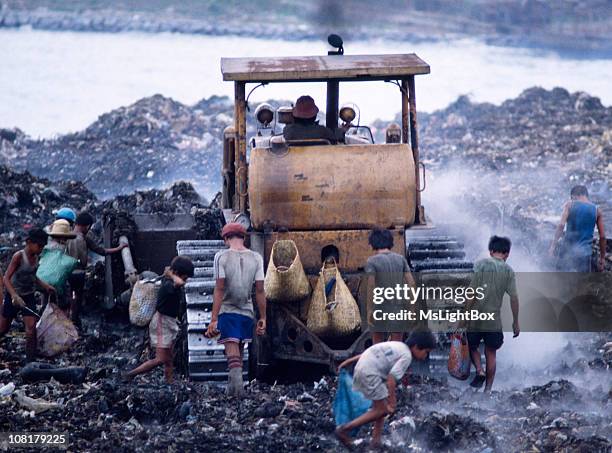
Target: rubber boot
234,382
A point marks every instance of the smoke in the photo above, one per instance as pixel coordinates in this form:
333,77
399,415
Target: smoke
524,206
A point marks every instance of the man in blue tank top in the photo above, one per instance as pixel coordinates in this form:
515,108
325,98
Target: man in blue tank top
579,219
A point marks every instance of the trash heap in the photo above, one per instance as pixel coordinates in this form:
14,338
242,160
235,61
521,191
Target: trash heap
102,412
27,201
531,149
149,144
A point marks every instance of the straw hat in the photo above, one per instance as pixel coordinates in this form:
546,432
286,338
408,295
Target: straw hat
61,229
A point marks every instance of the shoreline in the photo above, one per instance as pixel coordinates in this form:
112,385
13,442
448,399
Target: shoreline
414,27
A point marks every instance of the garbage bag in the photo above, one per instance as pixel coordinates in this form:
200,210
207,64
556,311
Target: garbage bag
143,302
332,312
348,403
37,371
55,333
459,356
54,268
285,279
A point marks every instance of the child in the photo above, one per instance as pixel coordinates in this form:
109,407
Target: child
78,248
497,277
163,328
59,234
386,269
377,372
20,281
235,270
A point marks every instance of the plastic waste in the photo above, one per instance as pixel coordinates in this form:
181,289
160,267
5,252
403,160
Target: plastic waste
33,404
55,332
348,403
459,357
8,389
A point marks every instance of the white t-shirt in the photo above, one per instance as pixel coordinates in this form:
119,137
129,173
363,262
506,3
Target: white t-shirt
384,359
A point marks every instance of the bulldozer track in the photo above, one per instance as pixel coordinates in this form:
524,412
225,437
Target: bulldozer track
206,359
434,252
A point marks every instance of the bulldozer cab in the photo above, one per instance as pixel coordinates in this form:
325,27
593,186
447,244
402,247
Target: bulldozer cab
333,70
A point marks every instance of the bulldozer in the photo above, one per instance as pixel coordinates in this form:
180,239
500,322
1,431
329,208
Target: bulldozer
325,197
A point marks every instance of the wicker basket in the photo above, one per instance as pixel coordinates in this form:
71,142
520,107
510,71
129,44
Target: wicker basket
286,280
336,315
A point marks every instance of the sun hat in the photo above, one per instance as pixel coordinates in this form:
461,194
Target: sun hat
305,108
61,229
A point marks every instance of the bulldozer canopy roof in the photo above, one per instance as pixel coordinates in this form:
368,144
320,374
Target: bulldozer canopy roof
325,67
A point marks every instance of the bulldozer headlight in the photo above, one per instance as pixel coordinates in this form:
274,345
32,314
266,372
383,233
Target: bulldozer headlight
347,113
264,114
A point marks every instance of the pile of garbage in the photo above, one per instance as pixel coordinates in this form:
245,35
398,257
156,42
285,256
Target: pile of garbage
99,411
149,144
27,201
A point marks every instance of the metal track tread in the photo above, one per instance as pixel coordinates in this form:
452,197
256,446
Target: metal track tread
206,357
435,251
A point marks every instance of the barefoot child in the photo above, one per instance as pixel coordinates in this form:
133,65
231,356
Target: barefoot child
20,281
163,328
377,372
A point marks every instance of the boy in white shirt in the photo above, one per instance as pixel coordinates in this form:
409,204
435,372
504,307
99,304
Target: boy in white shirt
377,372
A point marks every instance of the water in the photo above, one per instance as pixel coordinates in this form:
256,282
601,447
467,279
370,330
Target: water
56,82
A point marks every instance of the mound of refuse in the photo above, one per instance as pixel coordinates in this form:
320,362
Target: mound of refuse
27,201
149,144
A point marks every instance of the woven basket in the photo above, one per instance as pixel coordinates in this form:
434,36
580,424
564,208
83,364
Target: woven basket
286,280
143,303
336,315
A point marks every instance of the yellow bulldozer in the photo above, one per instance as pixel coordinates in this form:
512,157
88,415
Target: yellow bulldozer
324,197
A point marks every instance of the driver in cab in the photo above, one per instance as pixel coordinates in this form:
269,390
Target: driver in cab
306,126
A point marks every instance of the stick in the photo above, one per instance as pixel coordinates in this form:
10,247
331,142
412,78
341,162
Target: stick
31,311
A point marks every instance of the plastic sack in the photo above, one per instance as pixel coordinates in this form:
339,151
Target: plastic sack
459,357
335,314
54,268
55,333
286,280
348,403
143,302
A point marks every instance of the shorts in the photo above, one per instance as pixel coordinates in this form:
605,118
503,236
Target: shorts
10,311
372,386
493,340
235,328
163,330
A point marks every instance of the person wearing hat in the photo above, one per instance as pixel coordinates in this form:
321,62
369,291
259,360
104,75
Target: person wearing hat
66,214
235,270
306,126
79,248
21,282
60,232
